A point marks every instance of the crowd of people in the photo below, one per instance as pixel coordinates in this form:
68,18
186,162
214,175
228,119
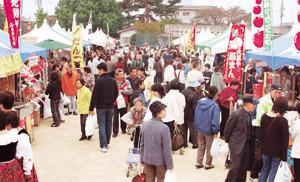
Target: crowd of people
152,93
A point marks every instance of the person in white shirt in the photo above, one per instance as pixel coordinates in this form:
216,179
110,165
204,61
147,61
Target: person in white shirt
195,73
295,135
175,102
169,72
94,63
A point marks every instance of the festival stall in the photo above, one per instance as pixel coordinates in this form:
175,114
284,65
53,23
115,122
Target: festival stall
283,56
25,80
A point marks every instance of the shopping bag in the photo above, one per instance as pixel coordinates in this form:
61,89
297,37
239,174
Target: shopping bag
90,125
121,102
65,99
139,178
215,148
224,150
134,156
283,173
169,176
127,118
177,140
47,108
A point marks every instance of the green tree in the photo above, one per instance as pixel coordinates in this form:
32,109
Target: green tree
40,15
103,12
149,10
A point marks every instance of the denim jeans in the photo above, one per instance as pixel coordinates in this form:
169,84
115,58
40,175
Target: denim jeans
104,117
269,170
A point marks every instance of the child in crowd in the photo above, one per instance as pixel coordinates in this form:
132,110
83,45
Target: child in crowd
134,119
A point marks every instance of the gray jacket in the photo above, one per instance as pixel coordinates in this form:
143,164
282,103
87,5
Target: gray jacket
238,131
156,144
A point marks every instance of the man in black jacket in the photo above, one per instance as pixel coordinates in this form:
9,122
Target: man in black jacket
191,97
104,95
238,135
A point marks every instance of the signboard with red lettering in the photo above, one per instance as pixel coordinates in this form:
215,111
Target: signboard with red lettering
12,11
233,62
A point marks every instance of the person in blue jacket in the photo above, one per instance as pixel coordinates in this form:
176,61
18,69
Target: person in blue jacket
207,123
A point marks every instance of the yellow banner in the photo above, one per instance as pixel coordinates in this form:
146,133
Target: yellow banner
5,29
10,65
77,48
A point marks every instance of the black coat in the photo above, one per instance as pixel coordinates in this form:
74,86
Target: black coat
105,93
191,97
53,90
238,131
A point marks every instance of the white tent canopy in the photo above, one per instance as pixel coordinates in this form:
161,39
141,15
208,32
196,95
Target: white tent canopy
60,30
101,39
204,35
221,46
46,32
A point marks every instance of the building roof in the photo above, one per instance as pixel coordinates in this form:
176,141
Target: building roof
125,30
192,7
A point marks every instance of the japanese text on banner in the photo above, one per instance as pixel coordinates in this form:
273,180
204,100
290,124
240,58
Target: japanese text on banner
267,25
235,54
77,49
12,11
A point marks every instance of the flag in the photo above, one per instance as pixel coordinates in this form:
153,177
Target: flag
74,23
194,35
5,29
13,16
107,32
77,48
233,62
90,24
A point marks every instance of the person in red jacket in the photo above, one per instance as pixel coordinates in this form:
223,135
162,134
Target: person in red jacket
125,90
227,99
69,88
120,64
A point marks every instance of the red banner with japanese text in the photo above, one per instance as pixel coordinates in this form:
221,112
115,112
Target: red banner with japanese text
12,11
233,62
194,35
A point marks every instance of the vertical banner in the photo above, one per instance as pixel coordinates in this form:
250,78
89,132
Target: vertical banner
258,24
233,62
12,11
77,49
194,35
297,35
268,31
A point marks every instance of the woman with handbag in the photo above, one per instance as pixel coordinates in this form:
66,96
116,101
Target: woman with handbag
156,154
175,110
274,137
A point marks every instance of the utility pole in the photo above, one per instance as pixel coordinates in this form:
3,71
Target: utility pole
39,4
281,11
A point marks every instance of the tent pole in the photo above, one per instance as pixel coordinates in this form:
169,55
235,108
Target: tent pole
19,50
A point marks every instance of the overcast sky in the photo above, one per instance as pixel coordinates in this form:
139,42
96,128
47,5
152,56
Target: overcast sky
291,7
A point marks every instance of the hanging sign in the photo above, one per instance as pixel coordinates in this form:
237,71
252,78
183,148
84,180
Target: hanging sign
257,24
13,15
233,62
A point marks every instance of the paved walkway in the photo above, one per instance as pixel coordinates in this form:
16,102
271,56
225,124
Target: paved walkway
60,157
